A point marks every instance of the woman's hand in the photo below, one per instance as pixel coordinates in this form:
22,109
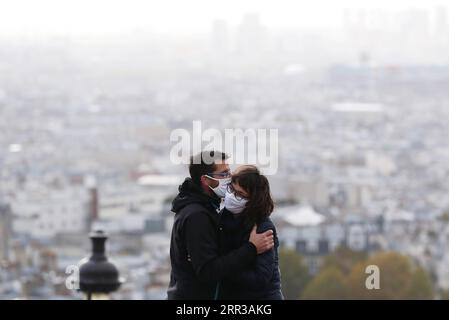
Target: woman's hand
262,241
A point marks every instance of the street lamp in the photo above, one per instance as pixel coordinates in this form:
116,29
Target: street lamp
97,276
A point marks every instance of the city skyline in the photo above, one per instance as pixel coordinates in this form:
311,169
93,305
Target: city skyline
82,18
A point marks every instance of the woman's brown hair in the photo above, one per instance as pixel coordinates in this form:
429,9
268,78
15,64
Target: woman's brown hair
260,204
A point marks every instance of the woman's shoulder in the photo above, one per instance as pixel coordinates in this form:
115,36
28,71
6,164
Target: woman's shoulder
266,224
230,221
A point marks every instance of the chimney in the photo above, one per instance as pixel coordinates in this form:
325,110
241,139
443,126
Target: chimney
5,231
93,202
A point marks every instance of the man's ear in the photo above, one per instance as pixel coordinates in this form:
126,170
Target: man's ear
204,184
203,180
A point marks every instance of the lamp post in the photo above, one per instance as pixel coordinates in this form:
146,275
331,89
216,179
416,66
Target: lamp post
97,276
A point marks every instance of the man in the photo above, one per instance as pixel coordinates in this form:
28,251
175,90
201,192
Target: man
195,254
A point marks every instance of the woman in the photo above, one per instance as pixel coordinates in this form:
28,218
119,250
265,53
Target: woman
247,203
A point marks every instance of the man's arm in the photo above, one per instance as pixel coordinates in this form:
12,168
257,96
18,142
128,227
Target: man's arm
259,275
202,246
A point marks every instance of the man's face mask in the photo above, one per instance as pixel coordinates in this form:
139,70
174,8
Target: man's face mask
233,203
223,183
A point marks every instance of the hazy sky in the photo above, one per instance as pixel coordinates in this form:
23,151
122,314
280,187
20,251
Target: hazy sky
175,16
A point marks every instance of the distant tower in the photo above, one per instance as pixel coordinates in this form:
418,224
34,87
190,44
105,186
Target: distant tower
5,231
220,37
416,24
252,35
367,81
441,26
93,201
364,59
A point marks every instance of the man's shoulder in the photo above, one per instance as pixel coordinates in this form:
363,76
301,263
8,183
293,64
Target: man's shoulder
197,211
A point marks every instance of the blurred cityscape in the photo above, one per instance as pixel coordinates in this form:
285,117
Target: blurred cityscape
84,141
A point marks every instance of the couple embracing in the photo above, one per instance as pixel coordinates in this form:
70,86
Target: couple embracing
223,243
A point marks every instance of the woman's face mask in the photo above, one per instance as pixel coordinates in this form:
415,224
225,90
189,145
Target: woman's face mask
234,203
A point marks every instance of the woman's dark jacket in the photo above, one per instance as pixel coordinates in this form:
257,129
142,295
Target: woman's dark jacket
261,279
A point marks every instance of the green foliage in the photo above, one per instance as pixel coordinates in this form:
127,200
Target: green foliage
399,279
344,259
343,276
294,273
444,294
329,284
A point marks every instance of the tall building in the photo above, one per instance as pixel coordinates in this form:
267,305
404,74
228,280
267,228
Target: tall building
92,202
220,37
441,24
415,24
5,230
251,35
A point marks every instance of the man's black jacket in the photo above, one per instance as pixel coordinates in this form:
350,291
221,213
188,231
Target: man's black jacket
195,250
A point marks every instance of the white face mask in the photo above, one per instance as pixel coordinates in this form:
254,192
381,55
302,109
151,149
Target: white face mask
233,203
220,190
